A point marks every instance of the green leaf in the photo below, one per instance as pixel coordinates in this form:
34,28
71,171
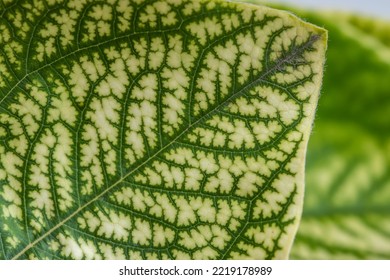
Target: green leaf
153,129
346,209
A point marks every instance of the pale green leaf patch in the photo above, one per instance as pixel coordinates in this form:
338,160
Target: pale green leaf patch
153,129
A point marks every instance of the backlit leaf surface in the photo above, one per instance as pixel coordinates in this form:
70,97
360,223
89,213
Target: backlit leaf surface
153,129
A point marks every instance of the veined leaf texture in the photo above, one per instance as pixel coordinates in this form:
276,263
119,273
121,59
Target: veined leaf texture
153,129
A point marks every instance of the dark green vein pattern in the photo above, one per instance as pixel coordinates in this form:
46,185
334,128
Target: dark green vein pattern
153,129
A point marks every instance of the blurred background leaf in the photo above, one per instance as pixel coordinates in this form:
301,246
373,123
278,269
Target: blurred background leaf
346,212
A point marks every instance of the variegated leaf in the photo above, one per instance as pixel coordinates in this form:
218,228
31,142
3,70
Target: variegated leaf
153,129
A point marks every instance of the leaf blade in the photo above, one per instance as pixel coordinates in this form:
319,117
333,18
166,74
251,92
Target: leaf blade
166,197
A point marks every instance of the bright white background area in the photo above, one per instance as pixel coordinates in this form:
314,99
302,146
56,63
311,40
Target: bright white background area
373,8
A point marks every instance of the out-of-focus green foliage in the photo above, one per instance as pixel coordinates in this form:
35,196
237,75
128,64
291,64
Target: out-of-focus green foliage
378,28
347,205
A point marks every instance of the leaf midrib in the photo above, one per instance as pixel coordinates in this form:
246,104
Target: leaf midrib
276,66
